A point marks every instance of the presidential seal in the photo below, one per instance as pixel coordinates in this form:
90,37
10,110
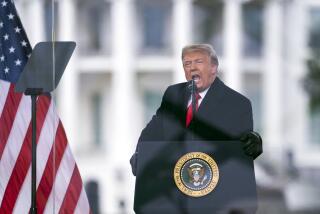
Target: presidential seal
196,174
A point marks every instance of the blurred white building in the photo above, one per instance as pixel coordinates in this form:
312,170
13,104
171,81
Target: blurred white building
128,52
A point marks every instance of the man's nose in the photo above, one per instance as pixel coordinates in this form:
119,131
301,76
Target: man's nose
193,66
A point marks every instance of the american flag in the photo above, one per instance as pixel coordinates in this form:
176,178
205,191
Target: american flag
59,185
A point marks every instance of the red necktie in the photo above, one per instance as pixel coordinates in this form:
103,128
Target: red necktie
189,110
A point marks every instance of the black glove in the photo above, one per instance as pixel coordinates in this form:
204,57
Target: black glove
252,144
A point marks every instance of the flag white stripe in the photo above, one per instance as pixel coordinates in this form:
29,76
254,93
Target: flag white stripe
23,202
4,89
46,138
14,143
61,182
83,204
44,146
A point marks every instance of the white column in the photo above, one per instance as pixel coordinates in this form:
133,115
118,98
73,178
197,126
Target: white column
123,73
232,43
123,104
34,22
272,81
68,87
182,24
296,122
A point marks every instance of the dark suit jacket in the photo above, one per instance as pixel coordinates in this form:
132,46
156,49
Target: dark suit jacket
224,114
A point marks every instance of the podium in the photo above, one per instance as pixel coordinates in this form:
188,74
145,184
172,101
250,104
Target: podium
233,188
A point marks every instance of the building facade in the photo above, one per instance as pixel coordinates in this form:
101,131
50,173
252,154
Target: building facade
129,51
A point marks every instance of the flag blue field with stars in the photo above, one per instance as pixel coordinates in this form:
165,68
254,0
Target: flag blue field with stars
14,45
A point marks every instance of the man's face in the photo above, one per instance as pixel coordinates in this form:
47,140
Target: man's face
198,64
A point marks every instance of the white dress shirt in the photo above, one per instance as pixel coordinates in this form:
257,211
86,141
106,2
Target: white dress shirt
202,95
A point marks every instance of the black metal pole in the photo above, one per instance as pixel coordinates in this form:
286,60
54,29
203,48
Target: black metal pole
33,209
193,103
193,98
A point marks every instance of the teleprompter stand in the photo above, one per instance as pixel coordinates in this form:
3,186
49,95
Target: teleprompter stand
42,74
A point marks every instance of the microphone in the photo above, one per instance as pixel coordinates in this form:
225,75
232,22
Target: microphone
192,85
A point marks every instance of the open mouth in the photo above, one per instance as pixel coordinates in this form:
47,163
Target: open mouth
196,78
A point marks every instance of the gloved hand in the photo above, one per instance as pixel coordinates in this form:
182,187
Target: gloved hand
252,144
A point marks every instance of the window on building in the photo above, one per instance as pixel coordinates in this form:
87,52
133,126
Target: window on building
50,8
94,90
96,101
313,75
252,16
152,101
151,89
154,20
315,125
208,23
94,31
252,89
314,38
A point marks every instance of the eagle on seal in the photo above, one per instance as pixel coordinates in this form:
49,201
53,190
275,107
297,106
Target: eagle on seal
196,174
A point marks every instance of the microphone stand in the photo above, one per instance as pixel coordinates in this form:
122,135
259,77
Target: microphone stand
193,96
193,89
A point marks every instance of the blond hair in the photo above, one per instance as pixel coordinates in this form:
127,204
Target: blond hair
206,48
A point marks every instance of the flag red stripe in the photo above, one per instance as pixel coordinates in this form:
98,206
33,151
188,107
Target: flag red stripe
73,193
7,116
24,159
47,179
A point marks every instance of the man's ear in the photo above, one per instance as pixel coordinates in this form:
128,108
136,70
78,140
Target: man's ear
214,69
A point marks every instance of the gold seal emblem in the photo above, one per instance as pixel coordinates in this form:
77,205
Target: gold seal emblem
196,174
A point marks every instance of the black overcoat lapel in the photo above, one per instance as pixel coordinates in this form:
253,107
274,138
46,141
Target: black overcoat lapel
212,99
